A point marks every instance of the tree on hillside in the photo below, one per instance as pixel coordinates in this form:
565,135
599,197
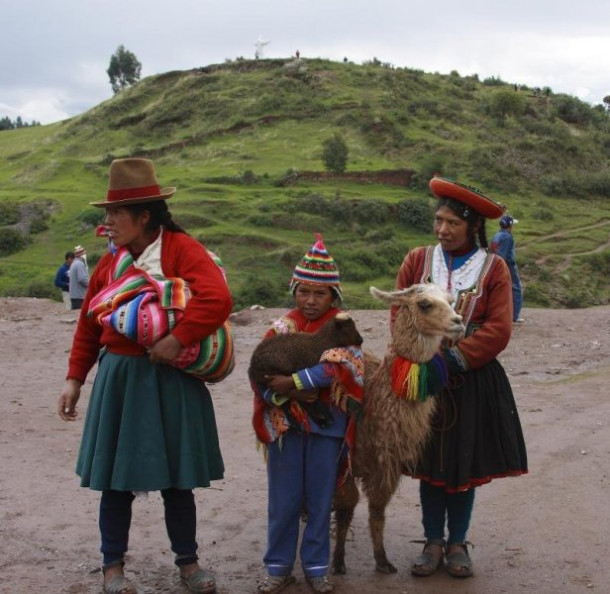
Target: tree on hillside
607,102
124,69
334,154
505,103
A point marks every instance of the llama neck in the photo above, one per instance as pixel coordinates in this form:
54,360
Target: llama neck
409,343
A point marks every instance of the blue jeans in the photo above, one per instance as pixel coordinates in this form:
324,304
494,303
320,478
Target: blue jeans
438,505
180,521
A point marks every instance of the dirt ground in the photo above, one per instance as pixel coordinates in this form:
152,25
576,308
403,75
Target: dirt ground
546,532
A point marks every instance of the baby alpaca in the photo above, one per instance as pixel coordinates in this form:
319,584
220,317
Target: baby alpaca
285,354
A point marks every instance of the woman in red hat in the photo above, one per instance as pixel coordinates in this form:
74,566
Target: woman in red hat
303,451
477,434
149,425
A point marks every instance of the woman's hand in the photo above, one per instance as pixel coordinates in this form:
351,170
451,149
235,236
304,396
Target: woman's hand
165,350
66,406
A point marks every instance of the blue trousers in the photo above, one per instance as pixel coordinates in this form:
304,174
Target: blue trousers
302,473
180,521
517,288
439,507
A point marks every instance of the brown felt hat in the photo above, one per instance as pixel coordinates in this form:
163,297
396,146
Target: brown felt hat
132,181
446,188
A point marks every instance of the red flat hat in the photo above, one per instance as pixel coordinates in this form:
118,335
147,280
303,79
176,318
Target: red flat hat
446,188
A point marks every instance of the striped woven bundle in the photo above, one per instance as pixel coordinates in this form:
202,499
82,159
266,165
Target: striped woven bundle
145,308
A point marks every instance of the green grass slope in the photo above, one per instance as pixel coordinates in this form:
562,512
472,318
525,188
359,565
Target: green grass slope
242,141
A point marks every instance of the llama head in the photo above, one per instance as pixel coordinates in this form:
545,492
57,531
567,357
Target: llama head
423,311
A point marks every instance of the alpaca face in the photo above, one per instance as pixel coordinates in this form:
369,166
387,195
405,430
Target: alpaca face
425,308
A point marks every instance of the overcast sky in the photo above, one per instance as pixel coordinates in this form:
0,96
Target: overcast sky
54,53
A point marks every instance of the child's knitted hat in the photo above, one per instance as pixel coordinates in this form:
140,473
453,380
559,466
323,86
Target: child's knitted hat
317,267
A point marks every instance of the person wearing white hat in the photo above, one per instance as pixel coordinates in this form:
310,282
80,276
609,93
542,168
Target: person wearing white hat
79,277
503,244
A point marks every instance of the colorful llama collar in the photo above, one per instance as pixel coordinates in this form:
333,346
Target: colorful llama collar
416,381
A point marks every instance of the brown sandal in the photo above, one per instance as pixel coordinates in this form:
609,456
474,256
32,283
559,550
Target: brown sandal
272,584
119,584
459,563
427,563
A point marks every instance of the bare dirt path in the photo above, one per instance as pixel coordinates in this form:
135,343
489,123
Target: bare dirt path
546,532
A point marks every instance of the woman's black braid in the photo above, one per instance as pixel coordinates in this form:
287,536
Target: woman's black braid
482,234
159,215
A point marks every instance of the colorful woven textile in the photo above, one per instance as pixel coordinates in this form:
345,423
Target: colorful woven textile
145,308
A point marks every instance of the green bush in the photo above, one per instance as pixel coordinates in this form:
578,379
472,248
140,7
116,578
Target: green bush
334,154
11,241
415,213
9,213
92,217
262,290
38,224
369,211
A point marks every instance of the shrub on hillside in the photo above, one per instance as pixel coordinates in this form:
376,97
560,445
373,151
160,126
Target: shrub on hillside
415,213
368,211
91,217
334,154
572,110
11,241
9,213
261,290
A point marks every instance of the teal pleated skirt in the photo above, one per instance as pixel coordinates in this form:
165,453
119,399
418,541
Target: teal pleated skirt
148,427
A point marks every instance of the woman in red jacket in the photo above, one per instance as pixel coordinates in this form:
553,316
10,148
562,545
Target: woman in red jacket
477,435
149,425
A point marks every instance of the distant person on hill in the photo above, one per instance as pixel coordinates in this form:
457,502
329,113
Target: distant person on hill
503,244
62,279
79,277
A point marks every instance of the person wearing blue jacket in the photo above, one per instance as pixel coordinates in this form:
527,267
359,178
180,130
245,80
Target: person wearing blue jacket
62,279
503,244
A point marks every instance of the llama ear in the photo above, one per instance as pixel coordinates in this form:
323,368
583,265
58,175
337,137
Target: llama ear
392,298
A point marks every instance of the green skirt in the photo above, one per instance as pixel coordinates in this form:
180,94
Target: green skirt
148,427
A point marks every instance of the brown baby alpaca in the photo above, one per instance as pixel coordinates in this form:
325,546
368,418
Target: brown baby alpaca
285,354
393,430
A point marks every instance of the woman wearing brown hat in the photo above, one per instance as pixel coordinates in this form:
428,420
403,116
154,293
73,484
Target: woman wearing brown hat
149,425
477,435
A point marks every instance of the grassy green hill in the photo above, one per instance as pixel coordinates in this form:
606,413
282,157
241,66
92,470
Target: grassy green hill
242,141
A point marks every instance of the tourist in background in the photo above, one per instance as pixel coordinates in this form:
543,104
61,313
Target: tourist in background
503,244
79,277
62,279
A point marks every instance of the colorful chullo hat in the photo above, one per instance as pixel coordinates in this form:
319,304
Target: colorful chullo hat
317,267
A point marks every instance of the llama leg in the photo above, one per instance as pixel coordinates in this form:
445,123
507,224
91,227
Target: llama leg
378,501
344,502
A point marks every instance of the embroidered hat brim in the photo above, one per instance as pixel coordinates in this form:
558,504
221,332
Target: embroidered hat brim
446,188
133,181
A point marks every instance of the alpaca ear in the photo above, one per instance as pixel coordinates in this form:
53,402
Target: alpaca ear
392,298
